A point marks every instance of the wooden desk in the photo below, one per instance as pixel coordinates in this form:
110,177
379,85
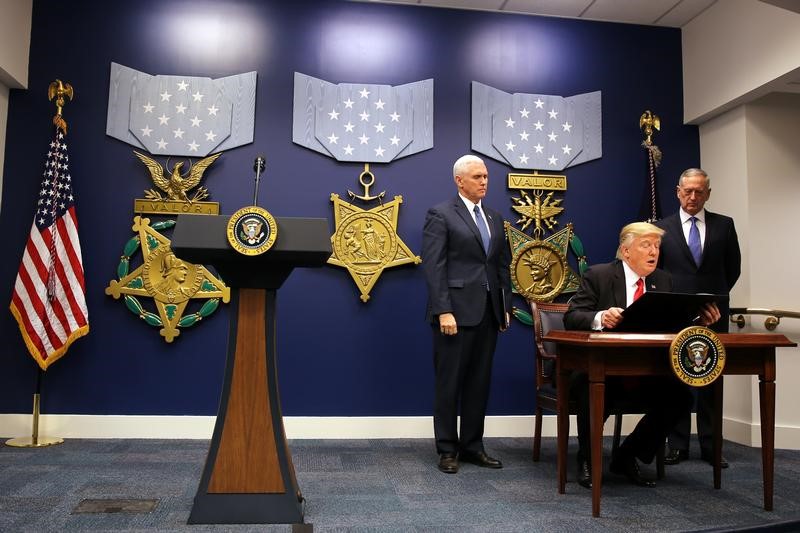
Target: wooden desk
602,354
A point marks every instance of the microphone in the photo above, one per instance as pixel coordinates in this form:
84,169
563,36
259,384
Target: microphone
258,166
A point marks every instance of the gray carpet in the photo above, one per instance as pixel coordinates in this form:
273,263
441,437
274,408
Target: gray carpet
390,485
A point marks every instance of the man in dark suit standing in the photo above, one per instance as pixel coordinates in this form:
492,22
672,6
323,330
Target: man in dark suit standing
466,264
701,251
605,291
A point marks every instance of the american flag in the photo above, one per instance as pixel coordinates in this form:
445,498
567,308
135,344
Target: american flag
49,300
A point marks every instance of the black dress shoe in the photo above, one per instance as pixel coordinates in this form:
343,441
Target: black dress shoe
675,456
709,458
584,474
448,463
626,465
480,459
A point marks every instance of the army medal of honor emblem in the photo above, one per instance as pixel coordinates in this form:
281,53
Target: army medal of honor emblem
697,356
252,230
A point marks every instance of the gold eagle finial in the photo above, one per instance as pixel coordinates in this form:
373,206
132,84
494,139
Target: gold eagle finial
647,122
175,184
59,90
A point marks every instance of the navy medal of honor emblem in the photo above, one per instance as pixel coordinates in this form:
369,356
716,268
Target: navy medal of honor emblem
697,356
252,230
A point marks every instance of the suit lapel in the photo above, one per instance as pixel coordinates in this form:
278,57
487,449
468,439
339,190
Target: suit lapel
466,216
677,228
618,286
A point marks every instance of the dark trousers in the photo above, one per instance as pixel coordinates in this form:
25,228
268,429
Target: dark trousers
679,437
662,399
463,369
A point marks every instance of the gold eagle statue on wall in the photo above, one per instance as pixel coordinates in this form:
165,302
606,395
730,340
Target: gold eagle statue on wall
175,184
647,122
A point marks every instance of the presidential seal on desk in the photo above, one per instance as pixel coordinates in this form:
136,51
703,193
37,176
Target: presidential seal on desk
697,356
252,230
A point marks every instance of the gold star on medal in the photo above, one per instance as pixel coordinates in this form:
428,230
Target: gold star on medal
366,242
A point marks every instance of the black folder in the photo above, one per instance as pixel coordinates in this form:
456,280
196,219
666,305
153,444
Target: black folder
665,312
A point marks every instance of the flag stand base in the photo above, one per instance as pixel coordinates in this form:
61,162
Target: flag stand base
34,441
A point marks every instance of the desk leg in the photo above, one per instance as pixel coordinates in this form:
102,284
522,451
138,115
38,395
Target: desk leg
597,391
766,391
562,430
717,431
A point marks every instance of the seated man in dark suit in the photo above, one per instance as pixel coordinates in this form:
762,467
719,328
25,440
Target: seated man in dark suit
605,291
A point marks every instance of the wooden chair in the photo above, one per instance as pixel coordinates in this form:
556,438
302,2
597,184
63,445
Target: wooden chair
546,317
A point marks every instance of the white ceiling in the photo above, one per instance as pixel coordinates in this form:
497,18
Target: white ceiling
669,13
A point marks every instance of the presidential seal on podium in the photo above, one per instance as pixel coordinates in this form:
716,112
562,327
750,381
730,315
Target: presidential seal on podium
252,230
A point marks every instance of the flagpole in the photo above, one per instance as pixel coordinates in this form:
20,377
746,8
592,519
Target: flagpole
35,441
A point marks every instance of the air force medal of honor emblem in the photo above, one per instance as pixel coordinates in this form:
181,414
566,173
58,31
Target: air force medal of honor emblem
697,356
252,230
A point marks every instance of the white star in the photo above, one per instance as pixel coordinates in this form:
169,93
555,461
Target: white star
509,122
146,130
538,125
539,103
379,151
364,92
348,104
348,127
148,108
524,135
379,127
197,97
523,159
395,140
567,127
162,144
213,110
348,150
163,119
552,160
182,85
180,108
395,117
552,136
210,135
334,115
510,146
364,139
379,104
364,115
524,112
165,96
567,149
538,148
333,138
178,133
193,146
553,113
196,121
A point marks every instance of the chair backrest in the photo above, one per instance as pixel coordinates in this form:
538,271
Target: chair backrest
546,317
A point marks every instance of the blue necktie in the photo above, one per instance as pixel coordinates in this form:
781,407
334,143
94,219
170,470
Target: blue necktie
694,242
482,228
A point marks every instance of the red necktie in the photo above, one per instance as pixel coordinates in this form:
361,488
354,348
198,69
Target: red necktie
639,289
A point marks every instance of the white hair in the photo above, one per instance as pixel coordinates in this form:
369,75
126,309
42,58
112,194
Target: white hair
695,172
461,164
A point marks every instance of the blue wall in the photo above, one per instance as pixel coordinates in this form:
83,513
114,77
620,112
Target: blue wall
337,356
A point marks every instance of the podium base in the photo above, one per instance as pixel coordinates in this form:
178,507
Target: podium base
28,442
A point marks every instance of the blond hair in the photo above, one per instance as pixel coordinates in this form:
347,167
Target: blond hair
633,230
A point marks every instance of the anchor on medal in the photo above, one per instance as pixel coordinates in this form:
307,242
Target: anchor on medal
367,180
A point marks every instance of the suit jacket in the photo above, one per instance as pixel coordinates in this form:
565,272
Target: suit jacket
719,268
457,267
602,287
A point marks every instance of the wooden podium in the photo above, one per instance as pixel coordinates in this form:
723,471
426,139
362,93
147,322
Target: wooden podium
249,476
602,354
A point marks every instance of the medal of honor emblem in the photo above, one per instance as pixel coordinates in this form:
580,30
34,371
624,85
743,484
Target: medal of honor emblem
252,230
697,356
538,271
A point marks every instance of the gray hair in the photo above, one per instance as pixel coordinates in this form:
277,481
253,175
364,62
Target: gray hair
689,172
463,162
636,229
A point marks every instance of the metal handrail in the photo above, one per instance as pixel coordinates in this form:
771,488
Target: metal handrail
771,322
